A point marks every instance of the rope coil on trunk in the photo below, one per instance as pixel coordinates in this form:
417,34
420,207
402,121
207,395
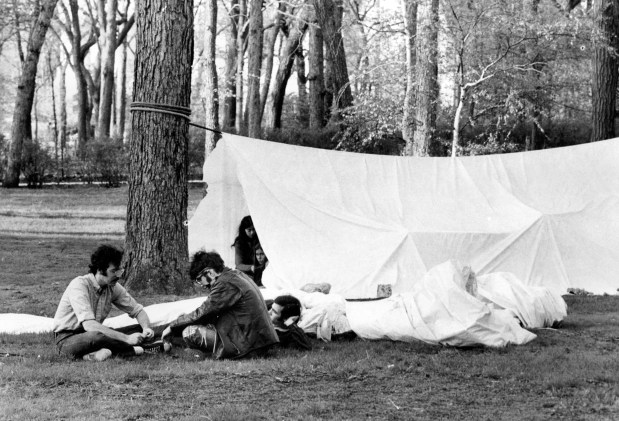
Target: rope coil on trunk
178,111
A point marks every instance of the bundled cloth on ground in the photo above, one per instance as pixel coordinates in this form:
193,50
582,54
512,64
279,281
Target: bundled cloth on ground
442,308
358,221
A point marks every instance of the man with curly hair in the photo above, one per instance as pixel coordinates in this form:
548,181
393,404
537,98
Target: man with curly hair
233,321
78,323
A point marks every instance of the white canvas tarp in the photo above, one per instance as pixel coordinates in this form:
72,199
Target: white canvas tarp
356,221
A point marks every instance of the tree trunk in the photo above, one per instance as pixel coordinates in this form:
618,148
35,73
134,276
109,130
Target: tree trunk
239,123
299,62
408,118
271,30
122,102
51,71
229,114
107,69
21,130
77,56
297,27
426,74
254,110
329,14
605,72
211,99
156,243
315,77
62,99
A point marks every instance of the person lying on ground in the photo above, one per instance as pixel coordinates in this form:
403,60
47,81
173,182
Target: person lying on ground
285,312
244,243
86,303
261,264
233,321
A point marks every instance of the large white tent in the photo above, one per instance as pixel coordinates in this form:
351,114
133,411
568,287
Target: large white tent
357,221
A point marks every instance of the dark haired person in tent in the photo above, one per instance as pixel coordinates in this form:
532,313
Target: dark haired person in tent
233,321
285,312
244,243
87,301
261,264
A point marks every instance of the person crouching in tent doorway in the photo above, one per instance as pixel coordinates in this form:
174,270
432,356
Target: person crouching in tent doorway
85,304
261,264
233,321
244,244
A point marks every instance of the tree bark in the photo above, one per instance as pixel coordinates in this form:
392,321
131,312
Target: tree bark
77,57
329,14
408,118
107,68
51,71
427,75
156,243
605,71
62,99
297,27
254,110
211,99
299,63
271,30
21,130
229,112
239,123
122,101
315,77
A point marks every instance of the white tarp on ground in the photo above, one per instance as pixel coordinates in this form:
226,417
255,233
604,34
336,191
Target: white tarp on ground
438,310
356,221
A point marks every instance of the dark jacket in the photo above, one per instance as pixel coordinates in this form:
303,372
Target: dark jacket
245,256
236,307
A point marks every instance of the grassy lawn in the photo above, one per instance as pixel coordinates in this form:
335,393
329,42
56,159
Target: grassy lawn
46,238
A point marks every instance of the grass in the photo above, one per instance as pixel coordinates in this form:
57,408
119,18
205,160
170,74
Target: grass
569,373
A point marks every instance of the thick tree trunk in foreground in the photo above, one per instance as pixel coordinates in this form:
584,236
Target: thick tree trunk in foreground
21,130
427,75
605,71
329,14
211,92
254,110
156,243
408,119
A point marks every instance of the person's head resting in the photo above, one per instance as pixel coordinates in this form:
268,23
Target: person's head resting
284,307
104,257
202,261
261,258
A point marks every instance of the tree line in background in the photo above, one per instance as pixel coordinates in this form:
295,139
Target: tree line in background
411,77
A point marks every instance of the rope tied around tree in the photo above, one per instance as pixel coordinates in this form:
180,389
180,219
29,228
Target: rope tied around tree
175,110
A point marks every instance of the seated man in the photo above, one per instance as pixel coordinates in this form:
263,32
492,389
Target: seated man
87,301
285,312
233,321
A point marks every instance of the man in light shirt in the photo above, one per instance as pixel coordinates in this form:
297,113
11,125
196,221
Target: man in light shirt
78,324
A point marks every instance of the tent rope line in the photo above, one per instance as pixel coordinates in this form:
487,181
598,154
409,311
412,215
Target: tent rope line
175,110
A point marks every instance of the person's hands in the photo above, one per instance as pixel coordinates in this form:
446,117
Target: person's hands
166,334
148,334
135,339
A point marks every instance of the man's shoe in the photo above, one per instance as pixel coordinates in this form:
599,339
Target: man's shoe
100,355
157,346
138,350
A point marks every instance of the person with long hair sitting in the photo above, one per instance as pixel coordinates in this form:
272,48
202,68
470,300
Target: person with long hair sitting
244,243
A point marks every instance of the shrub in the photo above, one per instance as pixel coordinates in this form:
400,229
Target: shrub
105,160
